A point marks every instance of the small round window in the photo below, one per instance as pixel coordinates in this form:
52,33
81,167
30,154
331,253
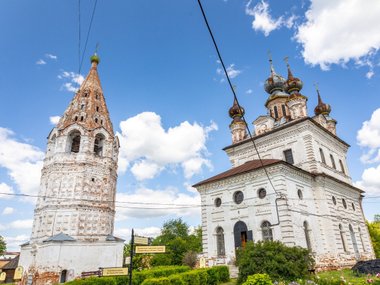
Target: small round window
344,203
218,202
353,206
334,200
262,193
238,197
300,194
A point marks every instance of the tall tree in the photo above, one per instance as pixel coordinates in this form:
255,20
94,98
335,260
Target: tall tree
3,245
177,239
374,232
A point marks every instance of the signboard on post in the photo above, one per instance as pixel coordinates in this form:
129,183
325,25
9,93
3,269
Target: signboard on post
90,273
18,273
141,240
150,249
114,271
3,275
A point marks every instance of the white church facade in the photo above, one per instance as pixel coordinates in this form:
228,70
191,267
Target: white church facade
74,215
289,183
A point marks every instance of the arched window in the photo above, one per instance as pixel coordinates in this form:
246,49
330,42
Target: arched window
275,112
332,161
322,156
341,166
220,249
353,240
63,278
283,110
341,232
266,231
75,142
307,235
98,145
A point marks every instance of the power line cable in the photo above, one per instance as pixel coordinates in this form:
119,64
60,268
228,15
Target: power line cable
234,94
79,37
88,34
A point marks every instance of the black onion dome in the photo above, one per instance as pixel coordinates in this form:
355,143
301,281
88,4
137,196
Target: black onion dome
236,111
292,84
322,108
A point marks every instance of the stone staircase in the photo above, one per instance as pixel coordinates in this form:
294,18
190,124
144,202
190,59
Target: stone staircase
234,271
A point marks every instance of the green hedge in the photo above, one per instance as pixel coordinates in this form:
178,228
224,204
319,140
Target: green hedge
164,275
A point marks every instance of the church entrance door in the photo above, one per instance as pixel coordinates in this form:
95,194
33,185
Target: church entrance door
241,234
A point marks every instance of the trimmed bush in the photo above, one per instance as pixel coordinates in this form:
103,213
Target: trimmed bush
94,281
176,279
224,273
258,279
202,276
157,281
191,277
212,276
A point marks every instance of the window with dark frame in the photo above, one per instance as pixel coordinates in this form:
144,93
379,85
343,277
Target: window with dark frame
341,166
275,112
332,161
266,231
322,156
218,202
220,247
288,154
238,197
262,193
283,110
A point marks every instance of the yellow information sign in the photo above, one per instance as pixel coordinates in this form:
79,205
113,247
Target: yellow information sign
3,275
18,273
150,249
141,240
114,271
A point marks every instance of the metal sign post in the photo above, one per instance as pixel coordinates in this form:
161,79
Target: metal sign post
131,254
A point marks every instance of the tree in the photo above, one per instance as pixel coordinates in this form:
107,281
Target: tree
3,245
374,232
274,258
178,241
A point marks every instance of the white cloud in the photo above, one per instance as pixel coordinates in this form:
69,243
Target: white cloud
8,211
21,224
125,233
231,71
51,56
150,149
249,91
74,80
13,243
40,62
147,203
369,137
369,74
54,120
336,32
370,181
22,161
6,189
262,20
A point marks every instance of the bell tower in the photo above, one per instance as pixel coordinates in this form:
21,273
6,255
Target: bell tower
75,209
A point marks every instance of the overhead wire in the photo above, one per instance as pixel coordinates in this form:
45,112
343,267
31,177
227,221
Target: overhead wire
79,37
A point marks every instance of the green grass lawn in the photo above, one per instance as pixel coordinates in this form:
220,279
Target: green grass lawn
348,276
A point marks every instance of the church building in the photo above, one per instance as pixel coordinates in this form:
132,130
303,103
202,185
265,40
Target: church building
74,215
290,182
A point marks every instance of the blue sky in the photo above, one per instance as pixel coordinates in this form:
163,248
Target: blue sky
163,85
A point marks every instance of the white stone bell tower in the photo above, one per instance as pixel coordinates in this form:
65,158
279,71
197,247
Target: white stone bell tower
74,215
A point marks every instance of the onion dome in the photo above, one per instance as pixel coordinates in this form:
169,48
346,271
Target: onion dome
322,108
95,58
275,82
236,112
292,84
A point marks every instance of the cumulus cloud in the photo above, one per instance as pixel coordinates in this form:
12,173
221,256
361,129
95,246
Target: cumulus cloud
354,35
5,191
232,72
125,233
249,91
22,161
368,137
147,203
263,21
40,62
54,120
149,149
73,80
8,211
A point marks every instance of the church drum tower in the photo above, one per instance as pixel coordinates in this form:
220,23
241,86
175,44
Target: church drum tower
74,215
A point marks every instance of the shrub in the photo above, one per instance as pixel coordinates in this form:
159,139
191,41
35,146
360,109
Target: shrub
191,278
190,259
280,262
212,276
176,279
258,279
202,276
224,273
157,281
